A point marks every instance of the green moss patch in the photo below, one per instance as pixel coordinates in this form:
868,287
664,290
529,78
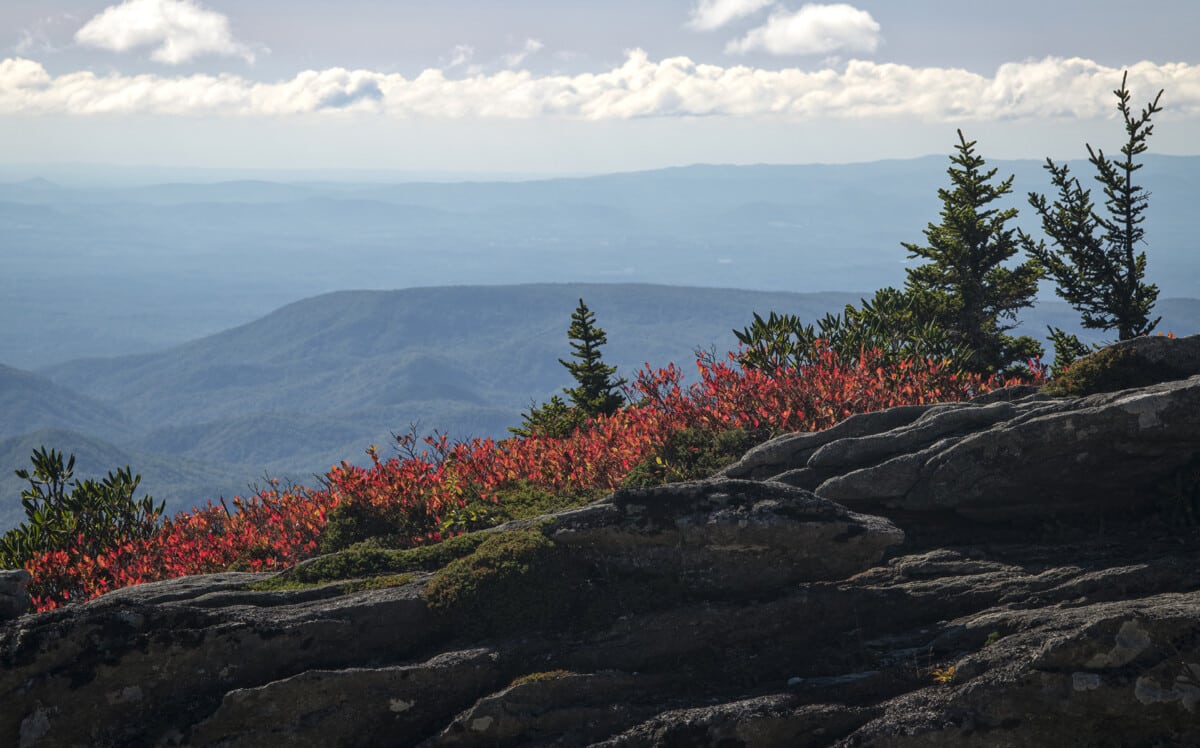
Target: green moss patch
276,584
513,581
363,562
1109,370
524,500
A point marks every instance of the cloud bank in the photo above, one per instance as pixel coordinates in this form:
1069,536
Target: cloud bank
812,30
641,87
178,30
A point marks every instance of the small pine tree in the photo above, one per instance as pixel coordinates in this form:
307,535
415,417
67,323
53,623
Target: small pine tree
597,392
964,288
1093,261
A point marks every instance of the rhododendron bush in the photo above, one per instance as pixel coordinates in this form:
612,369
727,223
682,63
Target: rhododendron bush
428,480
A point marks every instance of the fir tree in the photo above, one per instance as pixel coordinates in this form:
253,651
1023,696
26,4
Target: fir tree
1094,259
964,288
597,392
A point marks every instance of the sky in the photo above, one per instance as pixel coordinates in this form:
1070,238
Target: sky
574,87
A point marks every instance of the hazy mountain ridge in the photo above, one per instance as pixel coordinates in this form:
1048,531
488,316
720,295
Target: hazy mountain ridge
132,273
92,271
29,401
319,380
451,342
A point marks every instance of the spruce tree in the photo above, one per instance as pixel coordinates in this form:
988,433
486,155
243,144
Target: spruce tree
597,391
1094,259
964,287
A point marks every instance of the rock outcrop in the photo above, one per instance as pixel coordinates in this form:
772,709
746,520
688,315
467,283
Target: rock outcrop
14,600
1021,570
1029,459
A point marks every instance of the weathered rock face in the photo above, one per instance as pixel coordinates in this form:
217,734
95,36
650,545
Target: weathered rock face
1033,458
14,600
1018,571
725,536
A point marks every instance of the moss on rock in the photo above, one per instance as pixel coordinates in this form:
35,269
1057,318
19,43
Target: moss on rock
1109,370
280,584
691,454
542,676
515,580
363,562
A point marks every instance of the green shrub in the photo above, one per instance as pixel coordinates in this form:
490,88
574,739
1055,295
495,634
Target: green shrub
102,513
888,322
691,454
553,418
351,522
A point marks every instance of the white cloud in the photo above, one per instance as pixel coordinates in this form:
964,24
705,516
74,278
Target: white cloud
17,74
812,30
713,14
531,46
28,42
460,55
44,36
178,30
641,87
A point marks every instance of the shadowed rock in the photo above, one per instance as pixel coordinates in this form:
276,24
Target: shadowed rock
725,536
14,600
352,706
1095,453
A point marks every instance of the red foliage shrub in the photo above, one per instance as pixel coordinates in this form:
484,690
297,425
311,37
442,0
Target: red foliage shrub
419,485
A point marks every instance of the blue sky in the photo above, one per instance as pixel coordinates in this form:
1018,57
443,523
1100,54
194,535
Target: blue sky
562,86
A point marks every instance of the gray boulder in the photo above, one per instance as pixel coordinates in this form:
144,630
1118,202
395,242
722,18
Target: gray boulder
725,536
142,664
351,706
1101,452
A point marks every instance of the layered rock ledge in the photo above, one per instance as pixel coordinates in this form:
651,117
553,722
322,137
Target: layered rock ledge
1022,570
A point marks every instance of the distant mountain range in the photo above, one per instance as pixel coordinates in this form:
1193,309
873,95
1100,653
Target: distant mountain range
319,380
139,318
91,271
